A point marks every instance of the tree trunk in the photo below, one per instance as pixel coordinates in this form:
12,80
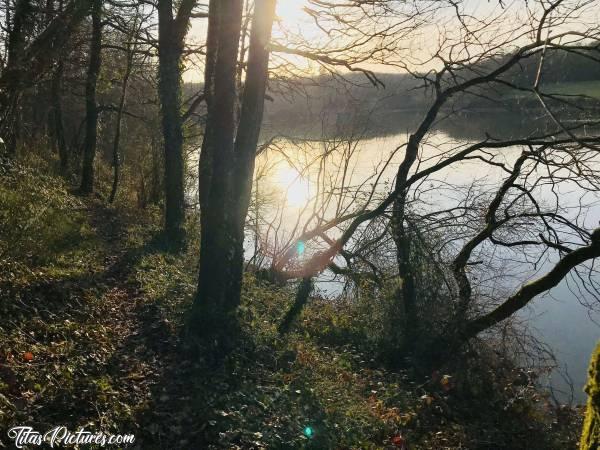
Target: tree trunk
590,438
171,34
12,76
91,108
26,65
57,119
219,282
302,294
206,153
156,190
405,294
117,141
227,163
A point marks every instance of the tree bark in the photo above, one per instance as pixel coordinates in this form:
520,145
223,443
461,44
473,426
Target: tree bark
57,119
219,281
304,290
12,75
590,437
171,34
31,63
524,295
406,293
156,179
91,107
227,162
117,141
206,153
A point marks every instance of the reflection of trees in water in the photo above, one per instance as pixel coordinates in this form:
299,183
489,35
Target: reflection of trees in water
459,213
496,114
498,125
462,125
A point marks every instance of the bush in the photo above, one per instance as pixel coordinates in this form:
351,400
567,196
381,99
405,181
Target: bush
38,218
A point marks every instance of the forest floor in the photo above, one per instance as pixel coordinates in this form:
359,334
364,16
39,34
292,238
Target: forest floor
92,308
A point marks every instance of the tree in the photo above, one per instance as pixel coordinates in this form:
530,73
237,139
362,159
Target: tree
57,117
507,217
129,56
227,160
17,38
171,35
91,107
31,59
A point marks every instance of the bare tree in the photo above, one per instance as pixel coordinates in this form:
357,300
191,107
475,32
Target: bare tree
227,159
91,107
31,57
476,62
130,46
172,29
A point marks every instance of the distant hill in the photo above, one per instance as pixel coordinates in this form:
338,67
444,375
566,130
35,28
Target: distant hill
313,100
564,74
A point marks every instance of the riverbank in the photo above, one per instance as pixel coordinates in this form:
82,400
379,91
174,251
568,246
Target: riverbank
92,310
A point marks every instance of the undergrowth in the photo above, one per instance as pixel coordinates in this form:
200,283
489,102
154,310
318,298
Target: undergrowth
92,313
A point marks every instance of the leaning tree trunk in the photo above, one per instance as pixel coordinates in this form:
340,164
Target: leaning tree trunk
302,295
407,295
590,438
227,163
91,108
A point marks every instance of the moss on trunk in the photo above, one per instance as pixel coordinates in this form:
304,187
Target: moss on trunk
590,438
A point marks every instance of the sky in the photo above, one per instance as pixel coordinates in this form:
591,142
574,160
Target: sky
415,48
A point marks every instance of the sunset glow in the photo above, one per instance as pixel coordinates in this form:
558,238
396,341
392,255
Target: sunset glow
295,188
291,11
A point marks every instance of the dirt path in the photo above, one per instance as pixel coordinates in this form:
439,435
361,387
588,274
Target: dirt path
148,375
103,357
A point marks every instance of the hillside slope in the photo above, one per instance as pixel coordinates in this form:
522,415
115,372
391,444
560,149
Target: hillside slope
92,309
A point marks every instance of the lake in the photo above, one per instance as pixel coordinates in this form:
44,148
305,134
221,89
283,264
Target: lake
293,190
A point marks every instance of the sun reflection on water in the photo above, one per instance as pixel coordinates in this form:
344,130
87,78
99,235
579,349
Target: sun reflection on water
295,187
